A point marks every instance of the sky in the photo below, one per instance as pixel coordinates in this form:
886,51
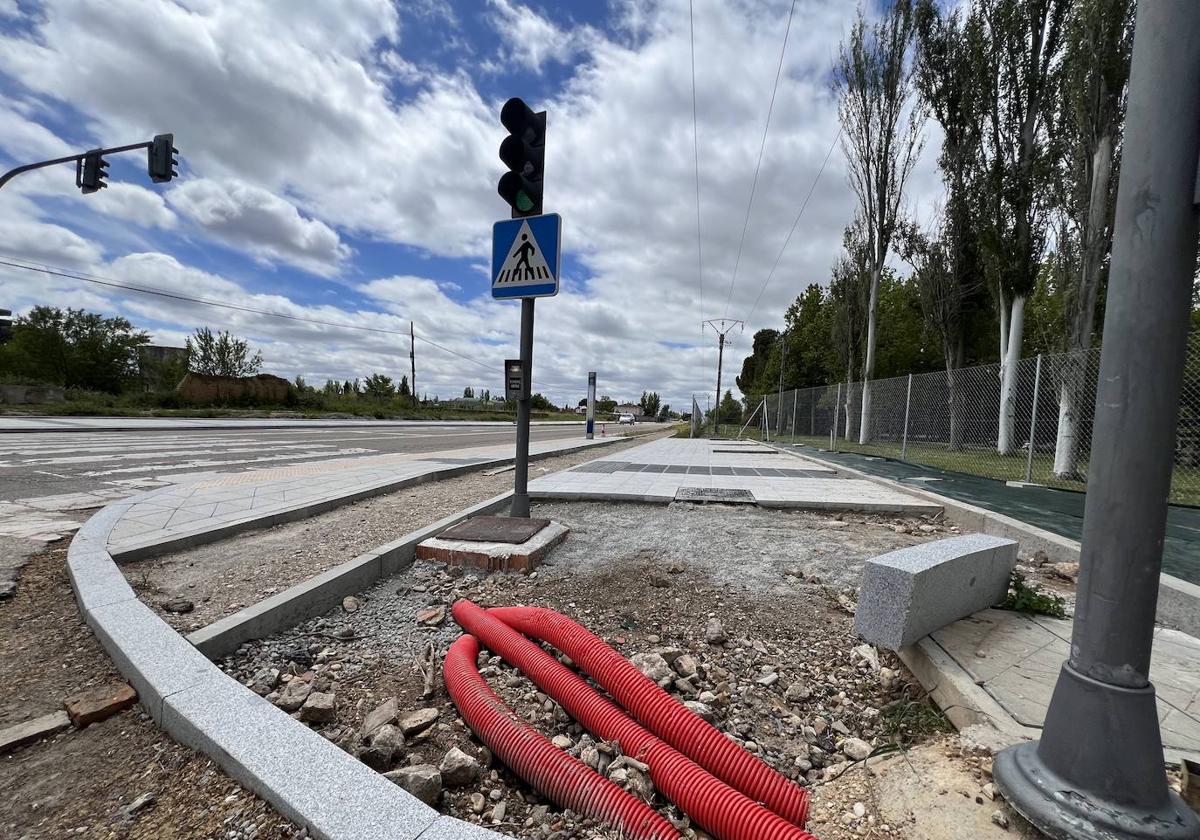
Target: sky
338,162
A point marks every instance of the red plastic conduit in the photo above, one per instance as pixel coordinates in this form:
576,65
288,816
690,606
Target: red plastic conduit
556,775
713,805
661,713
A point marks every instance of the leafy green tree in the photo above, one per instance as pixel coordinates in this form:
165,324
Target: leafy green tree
350,389
752,379
605,405
73,348
810,359
650,403
404,390
882,121
664,413
379,387
221,354
540,403
730,410
468,393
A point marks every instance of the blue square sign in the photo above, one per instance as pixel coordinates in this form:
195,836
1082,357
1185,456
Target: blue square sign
526,256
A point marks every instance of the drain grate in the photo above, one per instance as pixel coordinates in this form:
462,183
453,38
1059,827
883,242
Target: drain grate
715,495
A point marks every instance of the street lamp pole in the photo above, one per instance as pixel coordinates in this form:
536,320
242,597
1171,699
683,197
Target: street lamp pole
1097,771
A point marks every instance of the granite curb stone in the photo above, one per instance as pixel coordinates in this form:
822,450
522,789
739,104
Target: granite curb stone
909,593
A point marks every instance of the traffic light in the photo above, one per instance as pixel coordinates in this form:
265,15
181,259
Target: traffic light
524,153
5,325
161,163
90,173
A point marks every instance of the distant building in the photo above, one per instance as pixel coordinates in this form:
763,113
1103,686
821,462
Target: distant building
630,408
158,363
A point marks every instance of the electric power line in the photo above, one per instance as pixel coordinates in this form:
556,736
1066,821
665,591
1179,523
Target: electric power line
696,156
761,147
102,281
788,238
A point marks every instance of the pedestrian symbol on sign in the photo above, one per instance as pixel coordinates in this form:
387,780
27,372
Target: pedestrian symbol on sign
525,257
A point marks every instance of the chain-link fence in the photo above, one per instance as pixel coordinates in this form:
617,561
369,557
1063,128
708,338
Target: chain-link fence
1038,429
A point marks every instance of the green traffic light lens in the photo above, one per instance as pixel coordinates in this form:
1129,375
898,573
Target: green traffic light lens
524,202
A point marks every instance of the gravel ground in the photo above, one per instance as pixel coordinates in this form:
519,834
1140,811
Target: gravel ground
220,578
791,682
82,783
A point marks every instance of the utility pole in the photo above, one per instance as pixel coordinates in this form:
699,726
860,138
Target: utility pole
1097,770
722,327
412,360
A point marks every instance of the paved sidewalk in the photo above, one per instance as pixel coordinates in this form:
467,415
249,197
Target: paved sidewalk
1007,663
664,470
212,507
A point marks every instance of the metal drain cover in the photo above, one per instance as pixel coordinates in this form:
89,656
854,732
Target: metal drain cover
716,495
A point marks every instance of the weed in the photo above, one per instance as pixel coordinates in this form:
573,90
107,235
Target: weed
1030,599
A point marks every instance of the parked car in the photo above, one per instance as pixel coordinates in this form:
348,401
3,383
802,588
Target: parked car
625,420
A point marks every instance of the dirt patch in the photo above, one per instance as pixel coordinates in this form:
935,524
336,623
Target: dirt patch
792,683
222,577
84,782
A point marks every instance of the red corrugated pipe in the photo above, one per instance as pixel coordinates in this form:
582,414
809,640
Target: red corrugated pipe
712,804
556,775
661,713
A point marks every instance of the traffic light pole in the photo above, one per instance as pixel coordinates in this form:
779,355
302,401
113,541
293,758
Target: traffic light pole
12,173
520,501
1097,771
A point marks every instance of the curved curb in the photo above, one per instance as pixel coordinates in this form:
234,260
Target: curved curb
305,777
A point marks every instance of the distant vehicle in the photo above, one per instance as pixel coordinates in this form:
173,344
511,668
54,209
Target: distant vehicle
625,420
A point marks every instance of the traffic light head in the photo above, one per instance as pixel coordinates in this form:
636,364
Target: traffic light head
524,153
91,173
162,163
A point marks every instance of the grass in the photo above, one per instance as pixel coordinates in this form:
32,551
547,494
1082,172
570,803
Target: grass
988,463
908,721
1031,600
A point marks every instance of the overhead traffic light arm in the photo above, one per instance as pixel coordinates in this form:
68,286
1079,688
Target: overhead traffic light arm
80,161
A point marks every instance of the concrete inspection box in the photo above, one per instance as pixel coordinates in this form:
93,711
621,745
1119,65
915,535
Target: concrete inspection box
494,544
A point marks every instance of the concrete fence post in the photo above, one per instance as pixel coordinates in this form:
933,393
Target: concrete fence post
837,404
795,399
1037,386
907,404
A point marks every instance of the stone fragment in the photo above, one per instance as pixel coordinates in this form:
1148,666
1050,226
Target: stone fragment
414,723
384,713
999,819
714,633
99,702
686,666
653,666
264,681
458,768
177,605
319,707
293,695
421,780
431,616
1066,571
796,692
29,731
563,742
351,604
478,803
855,749
700,710
768,680
909,593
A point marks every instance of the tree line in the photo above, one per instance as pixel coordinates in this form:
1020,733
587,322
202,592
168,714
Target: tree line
1029,96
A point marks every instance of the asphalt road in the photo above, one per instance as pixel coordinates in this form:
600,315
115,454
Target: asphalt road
50,463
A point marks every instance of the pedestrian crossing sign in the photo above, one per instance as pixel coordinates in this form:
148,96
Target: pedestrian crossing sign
526,256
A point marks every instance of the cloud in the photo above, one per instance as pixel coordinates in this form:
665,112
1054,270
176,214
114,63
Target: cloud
296,146
47,243
532,39
260,222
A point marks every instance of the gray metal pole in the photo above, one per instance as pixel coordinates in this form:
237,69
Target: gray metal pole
1037,386
907,404
520,500
720,361
1097,771
590,427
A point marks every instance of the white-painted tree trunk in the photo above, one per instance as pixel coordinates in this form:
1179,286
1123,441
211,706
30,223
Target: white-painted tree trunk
1008,383
864,420
1066,449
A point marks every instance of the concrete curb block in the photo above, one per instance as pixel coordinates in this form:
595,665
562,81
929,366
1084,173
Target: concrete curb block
324,591
1178,599
201,535
305,777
